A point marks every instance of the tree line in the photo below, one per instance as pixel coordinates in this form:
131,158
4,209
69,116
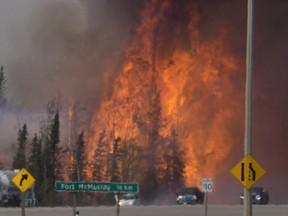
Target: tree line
158,165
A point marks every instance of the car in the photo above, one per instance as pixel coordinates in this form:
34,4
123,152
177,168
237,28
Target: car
259,196
190,195
10,196
129,199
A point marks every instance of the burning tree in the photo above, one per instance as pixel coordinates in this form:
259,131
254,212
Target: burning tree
174,96
131,159
99,164
174,165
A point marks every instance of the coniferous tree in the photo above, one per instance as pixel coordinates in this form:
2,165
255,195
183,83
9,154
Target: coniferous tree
174,172
45,126
51,160
99,166
115,169
19,160
55,148
35,166
131,157
49,135
75,149
114,165
151,181
80,158
79,164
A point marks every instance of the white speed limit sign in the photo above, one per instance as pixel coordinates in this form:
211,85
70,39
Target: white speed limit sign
207,185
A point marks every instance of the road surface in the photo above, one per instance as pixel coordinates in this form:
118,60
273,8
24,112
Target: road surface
171,210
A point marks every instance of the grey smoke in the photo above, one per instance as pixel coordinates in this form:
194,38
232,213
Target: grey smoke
52,48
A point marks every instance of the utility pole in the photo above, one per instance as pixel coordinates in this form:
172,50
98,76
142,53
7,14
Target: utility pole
248,104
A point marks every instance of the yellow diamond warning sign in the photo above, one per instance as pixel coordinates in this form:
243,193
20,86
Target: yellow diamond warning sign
23,180
248,171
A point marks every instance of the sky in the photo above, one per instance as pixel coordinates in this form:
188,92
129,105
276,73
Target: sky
63,46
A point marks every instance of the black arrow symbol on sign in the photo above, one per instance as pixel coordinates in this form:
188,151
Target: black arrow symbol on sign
24,177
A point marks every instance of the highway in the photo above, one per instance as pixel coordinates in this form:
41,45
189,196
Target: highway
165,210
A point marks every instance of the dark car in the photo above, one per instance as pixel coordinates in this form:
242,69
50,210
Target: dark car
259,196
10,196
191,195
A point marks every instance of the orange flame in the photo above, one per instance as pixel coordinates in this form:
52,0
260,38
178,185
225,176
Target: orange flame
197,96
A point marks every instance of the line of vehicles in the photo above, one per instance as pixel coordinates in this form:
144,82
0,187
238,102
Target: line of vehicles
193,196
10,195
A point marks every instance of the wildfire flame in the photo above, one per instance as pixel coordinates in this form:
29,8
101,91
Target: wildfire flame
194,79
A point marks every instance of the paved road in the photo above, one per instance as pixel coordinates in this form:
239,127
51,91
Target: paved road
172,210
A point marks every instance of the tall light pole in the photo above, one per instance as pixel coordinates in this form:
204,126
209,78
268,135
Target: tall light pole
248,102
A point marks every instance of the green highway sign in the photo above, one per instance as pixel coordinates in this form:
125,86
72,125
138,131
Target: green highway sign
105,187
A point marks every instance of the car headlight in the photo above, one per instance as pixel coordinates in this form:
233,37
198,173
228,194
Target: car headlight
194,197
258,197
179,197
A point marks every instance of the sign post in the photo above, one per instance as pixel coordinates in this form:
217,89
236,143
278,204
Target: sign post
23,180
207,186
248,97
